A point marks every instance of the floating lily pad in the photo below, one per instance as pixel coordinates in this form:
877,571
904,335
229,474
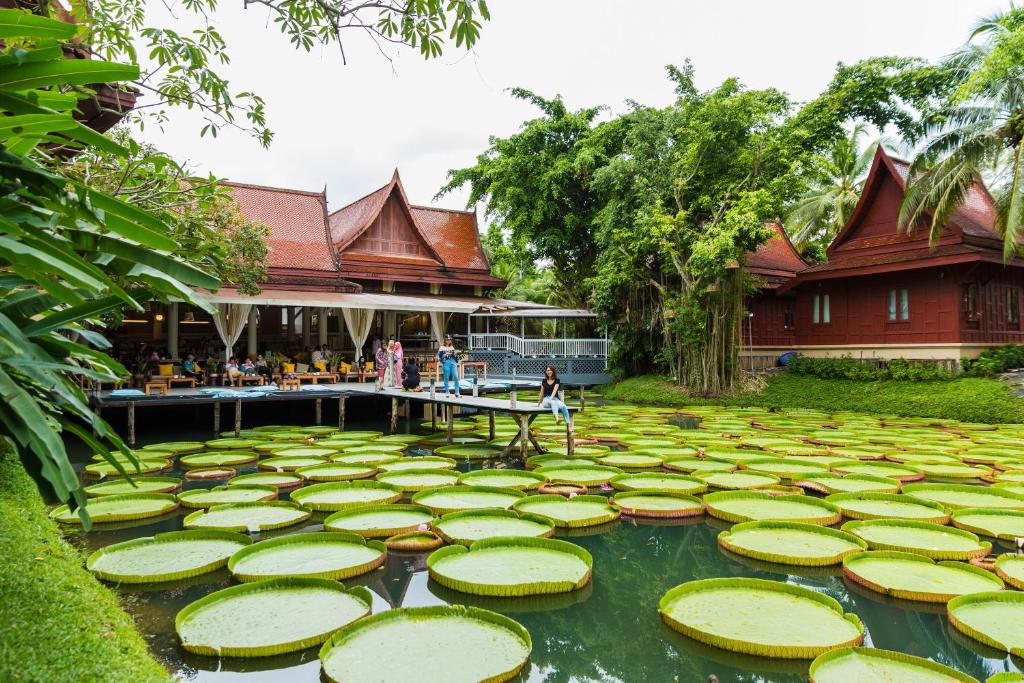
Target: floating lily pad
993,618
580,474
931,540
508,478
749,506
119,508
342,495
737,480
336,471
282,480
375,459
659,482
447,499
909,576
303,452
206,473
690,465
426,462
580,511
512,567
657,504
580,450
630,460
376,448
548,460
224,495
99,470
414,541
792,543
759,617
116,487
1010,568
829,483
176,447
957,496
269,617
247,516
470,526
379,521
327,556
289,464
219,458
785,468
418,480
888,506
871,665
231,443
166,557
882,469
444,644
1006,525
400,438
464,452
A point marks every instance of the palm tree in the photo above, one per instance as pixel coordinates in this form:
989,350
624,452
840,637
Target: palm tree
979,133
835,186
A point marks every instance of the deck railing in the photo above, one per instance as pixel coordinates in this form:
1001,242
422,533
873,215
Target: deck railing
567,348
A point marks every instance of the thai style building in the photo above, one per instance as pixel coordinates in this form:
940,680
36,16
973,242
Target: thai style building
886,293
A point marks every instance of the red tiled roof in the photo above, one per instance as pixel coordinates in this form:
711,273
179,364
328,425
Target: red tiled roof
894,257
777,255
349,221
454,236
298,230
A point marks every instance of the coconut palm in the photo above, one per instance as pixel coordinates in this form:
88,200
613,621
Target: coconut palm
978,134
835,185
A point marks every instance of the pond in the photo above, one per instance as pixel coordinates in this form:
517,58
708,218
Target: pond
608,631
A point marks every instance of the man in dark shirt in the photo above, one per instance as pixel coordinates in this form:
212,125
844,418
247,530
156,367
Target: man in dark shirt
411,376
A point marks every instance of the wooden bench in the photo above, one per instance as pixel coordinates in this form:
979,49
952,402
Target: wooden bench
161,388
251,379
290,385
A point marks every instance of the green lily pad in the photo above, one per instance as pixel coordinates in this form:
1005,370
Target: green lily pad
470,526
425,462
450,643
376,448
269,617
749,506
379,521
282,480
829,483
116,487
418,480
512,567
1005,525
580,511
993,618
290,464
871,665
690,465
219,458
785,468
303,452
931,540
100,470
166,557
630,460
375,458
791,543
548,460
447,499
759,617
342,495
464,452
119,508
231,443
1010,568
580,474
336,471
657,504
882,469
247,516
909,576
414,541
513,479
659,482
888,506
176,447
957,496
737,480
327,556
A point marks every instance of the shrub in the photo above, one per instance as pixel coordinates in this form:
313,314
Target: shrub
846,367
996,360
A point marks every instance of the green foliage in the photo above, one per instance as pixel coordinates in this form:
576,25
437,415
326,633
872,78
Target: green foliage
968,399
182,65
847,367
995,361
49,597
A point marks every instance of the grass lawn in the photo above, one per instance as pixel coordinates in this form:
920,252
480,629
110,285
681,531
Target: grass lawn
967,399
57,623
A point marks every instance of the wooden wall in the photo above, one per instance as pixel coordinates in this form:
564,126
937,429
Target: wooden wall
391,234
995,287
768,326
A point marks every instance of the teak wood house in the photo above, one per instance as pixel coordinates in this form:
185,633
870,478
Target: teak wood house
887,293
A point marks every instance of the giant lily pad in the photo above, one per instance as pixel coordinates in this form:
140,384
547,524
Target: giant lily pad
269,617
342,495
290,464
785,468
657,504
759,617
993,618
176,447
447,499
431,462
231,443
119,508
247,516
882,469
219,458
580,511
689,465
871,665
303,452
223,495
375,447
512,567
957,496
166,557
749,506
445,644
914,577
659,482
282,480
375,459
931,540
888,506
336,471
1006,525
327,556
580,474
792,543
379,521
467,452
116,487
737,480
630,460
1010,568
513,479
830,482
418,480
99,470
470,526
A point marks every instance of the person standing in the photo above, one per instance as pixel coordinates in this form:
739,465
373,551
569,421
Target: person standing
399,360
549,398
387,377
448,357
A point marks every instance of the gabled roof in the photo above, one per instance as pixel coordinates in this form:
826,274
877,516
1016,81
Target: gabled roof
454,235
776,258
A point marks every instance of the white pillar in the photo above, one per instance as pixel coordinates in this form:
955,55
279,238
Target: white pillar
253,317
322,331
172,329
306,327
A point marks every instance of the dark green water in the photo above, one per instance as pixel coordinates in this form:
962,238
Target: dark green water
609,631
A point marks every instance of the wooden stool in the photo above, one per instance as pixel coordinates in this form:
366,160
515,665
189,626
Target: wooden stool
250,379
161,388
291,385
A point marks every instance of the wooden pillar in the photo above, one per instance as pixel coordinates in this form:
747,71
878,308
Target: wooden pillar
451,424
524,436
322,327
251,349
238,417
216,418
570,439
172,329
341,412
490,423
583,400
307,326
394,414
319,411
408,416
291,323
131,423
433,418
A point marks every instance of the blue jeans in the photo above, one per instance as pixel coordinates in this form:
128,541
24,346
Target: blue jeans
556,405
451,370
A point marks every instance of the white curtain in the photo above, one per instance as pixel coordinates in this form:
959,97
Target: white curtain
358,322
437,321
230,321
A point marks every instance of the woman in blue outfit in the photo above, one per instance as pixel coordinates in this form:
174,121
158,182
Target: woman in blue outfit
549,398
448,357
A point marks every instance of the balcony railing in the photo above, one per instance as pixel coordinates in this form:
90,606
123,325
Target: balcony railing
562,348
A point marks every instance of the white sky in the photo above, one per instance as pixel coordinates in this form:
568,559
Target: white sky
348,127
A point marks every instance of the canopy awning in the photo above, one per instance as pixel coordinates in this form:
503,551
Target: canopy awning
529,310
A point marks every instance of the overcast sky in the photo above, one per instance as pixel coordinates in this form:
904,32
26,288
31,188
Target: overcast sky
348,127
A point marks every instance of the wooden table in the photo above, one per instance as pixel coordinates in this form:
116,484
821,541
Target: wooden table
185,381
315,377
290,384
251,379
161,388
477,364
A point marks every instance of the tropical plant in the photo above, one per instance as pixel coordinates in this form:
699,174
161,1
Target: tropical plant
835,180
980,133
69,254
